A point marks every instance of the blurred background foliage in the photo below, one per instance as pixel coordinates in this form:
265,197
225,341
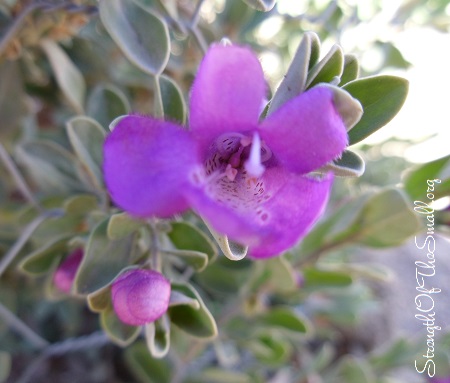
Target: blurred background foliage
314,315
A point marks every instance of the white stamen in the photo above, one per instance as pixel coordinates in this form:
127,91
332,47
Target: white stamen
253,165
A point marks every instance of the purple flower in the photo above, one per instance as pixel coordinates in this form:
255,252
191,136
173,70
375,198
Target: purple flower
140,296
440,380
247,178
65,274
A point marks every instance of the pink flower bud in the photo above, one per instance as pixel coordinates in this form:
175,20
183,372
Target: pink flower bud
65,274
140,296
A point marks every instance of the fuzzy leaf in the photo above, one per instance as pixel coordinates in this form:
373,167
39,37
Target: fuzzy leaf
349,165
286,319
67,75
186,236
294,82
145,368
351,69
105,103
120,333
173,101
86,137
381,97
103,259
330,67
196,322
157,335
141,35
121,225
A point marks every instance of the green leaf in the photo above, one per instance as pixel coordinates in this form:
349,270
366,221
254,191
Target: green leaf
325,278
196,322
399,353
225,276
355,370
173,100
270,349
186,236
416,179
41,260
119,332
179,298
157,335
349,165
100,300
327,69
5,366
80,205
261,5
86,137
121,225
295,79
282,277
103,259
386,220
52,167
284,318
145,368
349,108
105,103
351,69
381,97
216,375
142,36
198,261
67,75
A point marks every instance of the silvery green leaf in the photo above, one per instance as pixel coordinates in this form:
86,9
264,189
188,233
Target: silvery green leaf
141,35
381,97
349,165
351,69
86,137
67,75
294,82
261,5
157,335
105,103
327,69
173,100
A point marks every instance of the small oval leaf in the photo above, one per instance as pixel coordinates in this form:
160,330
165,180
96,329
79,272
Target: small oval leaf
349,165
196,322
121,225
295,79
105,103
120,333
68,77
157,335
327,69
351,69
186,236
381,97
284,318
103,260
173,100
142,36
86,137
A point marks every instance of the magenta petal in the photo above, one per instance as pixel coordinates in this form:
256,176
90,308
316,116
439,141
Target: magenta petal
227,93
147,163
307,132
293,211
269,215
140,296
66,271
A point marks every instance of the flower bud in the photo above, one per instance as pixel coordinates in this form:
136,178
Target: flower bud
140,296
65,274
